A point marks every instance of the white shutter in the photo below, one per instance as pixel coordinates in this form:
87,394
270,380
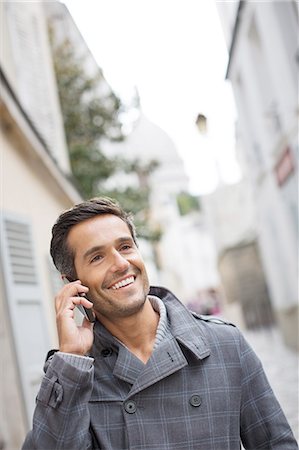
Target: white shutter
28,34
25,304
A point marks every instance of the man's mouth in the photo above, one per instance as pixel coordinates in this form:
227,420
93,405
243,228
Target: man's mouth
123,283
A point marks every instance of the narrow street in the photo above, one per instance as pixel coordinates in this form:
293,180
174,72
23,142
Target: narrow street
281,367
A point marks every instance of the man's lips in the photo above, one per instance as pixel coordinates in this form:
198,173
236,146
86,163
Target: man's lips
122,282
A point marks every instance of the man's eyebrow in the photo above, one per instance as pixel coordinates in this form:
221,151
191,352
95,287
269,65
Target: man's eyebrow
99,248
124,239
90,251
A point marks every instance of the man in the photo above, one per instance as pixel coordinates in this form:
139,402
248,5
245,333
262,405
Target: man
148,374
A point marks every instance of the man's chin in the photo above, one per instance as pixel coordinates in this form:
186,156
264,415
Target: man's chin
120,311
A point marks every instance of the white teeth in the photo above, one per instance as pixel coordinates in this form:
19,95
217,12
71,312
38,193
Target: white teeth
123,283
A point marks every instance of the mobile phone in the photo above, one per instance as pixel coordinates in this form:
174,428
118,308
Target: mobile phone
87,312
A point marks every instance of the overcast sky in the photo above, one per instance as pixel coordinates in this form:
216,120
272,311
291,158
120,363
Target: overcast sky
174,52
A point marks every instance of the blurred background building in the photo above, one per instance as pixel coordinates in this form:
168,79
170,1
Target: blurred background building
238,243
231,218
263,69
174,212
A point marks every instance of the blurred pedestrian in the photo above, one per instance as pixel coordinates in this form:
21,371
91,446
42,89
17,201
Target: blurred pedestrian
147,373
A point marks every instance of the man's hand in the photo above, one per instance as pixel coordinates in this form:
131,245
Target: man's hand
73,338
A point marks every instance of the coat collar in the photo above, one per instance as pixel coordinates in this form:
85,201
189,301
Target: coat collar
185,328
184,331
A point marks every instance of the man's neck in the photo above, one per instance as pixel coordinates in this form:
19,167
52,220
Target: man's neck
137,332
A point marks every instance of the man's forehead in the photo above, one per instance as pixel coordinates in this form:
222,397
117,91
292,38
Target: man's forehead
99,230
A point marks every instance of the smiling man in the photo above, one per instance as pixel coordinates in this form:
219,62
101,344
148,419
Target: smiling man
144,372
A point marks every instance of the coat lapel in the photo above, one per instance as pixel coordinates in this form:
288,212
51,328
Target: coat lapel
165,360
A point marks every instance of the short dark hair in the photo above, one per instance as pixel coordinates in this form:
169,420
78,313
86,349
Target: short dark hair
62,255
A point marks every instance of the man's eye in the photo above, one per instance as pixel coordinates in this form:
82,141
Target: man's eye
126,247
96,258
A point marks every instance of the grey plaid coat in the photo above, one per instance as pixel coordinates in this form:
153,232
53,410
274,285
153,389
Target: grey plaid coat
203,388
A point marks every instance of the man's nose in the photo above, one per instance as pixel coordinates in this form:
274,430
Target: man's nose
119,263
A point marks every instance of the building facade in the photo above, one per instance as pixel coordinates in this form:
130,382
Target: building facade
263,69
35,188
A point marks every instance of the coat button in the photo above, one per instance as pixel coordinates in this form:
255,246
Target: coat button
195,400
130,407
106,352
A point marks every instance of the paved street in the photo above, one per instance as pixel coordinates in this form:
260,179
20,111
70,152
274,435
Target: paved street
281,366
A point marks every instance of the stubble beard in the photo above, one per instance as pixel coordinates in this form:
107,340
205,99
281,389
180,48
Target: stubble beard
111,307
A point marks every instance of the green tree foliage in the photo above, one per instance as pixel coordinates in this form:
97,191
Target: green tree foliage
90,113
88,117
187,203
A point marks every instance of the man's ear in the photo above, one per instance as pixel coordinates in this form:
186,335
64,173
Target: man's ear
65,278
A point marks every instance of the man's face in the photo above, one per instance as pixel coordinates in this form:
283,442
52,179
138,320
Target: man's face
108,262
